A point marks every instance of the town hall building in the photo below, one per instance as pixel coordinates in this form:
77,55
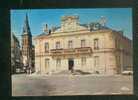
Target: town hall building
92,48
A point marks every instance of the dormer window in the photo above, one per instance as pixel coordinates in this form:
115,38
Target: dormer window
69,23
94,26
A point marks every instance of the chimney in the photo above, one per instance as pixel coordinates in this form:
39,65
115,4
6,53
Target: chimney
52,29
45,28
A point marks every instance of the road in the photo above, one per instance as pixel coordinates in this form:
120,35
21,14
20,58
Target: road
36,85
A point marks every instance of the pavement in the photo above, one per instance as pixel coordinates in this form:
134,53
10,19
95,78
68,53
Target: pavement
58,85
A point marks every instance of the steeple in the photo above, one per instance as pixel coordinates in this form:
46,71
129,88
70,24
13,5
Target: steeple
26,28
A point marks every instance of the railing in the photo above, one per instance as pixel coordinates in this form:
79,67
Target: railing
82,50
69,51
56,51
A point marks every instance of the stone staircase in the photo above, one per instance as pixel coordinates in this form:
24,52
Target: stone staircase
75,72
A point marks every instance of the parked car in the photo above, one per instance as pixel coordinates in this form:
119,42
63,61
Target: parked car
127,72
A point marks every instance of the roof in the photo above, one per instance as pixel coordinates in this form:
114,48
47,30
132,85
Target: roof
14,38
92,26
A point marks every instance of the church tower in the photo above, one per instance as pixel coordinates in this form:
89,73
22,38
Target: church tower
27,44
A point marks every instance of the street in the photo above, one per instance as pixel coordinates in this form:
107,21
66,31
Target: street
36,85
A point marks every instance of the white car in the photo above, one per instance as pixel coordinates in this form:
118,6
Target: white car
127,72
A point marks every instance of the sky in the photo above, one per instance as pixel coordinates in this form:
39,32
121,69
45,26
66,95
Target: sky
116,18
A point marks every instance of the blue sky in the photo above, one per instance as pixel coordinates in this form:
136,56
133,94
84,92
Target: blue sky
117,18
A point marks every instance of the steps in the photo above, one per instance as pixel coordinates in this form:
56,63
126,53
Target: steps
75,72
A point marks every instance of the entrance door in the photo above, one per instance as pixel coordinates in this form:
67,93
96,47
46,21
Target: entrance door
70,64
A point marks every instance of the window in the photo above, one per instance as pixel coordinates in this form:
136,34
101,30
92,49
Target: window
96,44
116,43
58,62
46,64
70,44
46,47
96,61
83,61
57,45
82,43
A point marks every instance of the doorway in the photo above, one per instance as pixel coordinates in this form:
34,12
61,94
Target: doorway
70,64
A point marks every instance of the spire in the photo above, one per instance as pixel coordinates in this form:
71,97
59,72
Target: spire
26,28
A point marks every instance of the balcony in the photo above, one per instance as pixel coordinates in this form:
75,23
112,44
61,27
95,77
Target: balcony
56,51
82,50
69,51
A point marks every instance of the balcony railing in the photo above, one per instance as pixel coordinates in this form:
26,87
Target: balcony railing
82,50
69,51
56,51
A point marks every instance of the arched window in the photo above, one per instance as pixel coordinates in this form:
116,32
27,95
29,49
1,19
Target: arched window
58,62
96,43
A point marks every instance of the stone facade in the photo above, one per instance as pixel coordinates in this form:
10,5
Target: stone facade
90,48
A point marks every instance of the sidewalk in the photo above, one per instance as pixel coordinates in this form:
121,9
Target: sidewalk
66,75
